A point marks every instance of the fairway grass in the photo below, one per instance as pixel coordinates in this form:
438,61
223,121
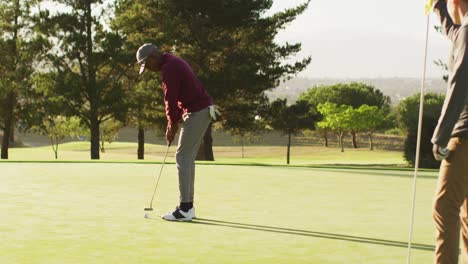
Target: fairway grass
93,213
267,155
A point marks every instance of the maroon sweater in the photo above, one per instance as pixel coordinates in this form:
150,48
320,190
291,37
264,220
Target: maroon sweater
183,92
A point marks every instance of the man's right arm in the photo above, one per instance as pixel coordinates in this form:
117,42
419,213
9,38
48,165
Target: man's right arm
457,95
448,27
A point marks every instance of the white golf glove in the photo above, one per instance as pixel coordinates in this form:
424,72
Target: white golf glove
214,112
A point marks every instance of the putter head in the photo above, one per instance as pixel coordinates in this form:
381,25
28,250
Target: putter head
148,209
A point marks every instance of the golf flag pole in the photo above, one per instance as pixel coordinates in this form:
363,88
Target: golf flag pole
429,5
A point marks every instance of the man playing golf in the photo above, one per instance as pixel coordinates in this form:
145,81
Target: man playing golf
450,139
185,100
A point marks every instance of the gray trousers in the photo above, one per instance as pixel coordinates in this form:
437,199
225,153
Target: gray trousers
191,134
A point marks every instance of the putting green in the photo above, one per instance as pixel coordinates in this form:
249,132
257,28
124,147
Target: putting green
93,213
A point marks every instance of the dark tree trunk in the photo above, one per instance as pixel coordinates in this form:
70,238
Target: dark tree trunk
56,150
205,152
103,150
5,141
341,142
12,133
95,138
325,139
242,144
289,148
353,135
11,99
371,143
141,143
8,125
91,85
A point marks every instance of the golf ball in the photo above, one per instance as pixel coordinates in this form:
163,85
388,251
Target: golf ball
146,215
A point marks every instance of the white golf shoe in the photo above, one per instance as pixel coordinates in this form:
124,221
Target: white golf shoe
179,215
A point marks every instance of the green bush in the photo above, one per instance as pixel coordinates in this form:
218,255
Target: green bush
408,117
394,131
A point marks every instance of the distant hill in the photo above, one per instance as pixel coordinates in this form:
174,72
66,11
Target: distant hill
396,88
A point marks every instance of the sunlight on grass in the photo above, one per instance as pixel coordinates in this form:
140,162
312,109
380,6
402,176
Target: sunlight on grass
301,155
93,213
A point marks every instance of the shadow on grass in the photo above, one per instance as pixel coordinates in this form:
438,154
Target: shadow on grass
381,173
297,232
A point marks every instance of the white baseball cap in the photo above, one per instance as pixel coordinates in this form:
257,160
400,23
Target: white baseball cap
143,53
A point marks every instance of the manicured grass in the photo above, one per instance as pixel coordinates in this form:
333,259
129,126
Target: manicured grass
300,155
93,213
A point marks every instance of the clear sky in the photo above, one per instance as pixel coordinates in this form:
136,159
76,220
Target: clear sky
365,38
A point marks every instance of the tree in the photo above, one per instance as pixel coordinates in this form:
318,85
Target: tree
290,119
109,132
323,131
21,46
146,109
369,119
353,94
408,119
87,63
144,92
57,128
336,118
245,138
230,45
42,112
244,122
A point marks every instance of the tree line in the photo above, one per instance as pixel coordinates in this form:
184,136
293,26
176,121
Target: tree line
352,108
70,71
76,59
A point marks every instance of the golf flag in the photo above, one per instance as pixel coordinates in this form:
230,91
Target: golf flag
429,5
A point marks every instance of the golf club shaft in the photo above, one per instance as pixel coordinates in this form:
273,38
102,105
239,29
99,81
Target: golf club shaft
159,176
418,144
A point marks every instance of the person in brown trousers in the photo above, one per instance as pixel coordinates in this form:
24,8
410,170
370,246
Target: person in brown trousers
450,140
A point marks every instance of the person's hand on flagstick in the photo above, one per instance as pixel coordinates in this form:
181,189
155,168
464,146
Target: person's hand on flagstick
430,5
